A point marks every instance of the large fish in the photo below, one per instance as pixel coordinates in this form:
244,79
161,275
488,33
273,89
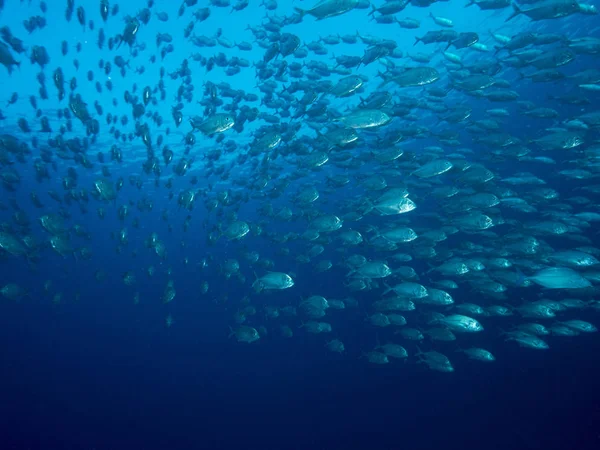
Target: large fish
329,8
218,123
415,76
559,278
365,118
552,9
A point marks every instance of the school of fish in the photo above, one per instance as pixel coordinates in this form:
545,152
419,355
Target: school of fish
440,176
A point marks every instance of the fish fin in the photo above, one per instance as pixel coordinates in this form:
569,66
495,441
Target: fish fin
515,13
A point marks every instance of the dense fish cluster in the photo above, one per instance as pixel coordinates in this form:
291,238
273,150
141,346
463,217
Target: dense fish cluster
430,176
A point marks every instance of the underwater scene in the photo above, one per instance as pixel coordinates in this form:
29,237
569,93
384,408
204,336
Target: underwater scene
287,224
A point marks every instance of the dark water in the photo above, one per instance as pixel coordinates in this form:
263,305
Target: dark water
96,371
103,377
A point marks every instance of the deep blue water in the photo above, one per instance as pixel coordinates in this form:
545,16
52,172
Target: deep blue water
96,371
101,379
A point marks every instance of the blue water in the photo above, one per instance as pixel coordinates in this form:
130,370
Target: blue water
98,378
90,369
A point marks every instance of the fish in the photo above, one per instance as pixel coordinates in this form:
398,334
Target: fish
328,8
7,59
309,180
415,76
365,118
559,278
217,123
433,168
244,334
547,9
441,21
485,5
273,280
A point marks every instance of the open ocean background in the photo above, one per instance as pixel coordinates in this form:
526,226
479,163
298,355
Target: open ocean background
97,371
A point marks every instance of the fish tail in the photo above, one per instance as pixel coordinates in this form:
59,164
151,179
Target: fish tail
521,279
300,11
515,13
471,2
377,342
119,37
321,135
387,288
417,40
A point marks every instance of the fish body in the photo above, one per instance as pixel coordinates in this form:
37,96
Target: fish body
559,278
329,8
549,9
273,280
217,123
7,59
415,76
365,118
